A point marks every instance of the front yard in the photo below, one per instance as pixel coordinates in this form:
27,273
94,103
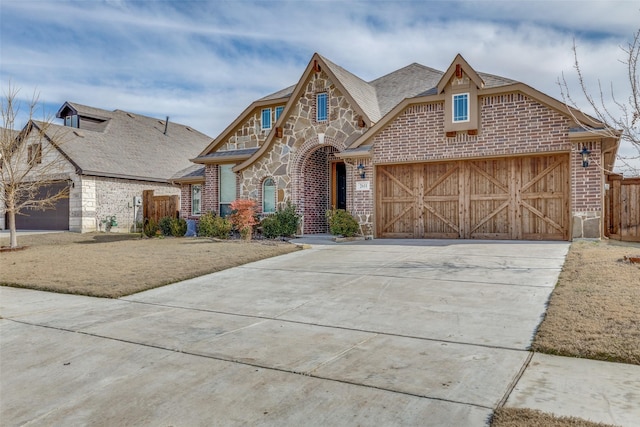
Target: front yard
594,311
114,265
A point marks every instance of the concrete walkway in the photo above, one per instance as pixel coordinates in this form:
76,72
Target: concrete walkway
368,333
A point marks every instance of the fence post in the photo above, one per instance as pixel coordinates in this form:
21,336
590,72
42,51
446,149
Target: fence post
148,207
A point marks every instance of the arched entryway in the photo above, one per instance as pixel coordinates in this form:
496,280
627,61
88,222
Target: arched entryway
323,187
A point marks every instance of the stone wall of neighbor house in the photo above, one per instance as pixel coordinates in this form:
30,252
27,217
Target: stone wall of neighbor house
510,124
302,136
102,198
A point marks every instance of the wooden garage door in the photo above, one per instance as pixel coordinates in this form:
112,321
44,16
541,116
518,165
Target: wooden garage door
50,219
513,198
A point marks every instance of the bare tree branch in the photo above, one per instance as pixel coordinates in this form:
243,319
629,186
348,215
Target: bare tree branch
625,121
30,162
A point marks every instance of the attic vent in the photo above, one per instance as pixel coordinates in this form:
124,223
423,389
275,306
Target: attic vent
77,133
458,71
189,129
131,115
316,66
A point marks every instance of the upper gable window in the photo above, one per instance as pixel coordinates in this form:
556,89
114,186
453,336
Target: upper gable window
278,112
461,107
71,121
322,107
266,118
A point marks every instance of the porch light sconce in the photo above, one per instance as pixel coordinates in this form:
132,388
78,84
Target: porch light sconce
361,170
585,157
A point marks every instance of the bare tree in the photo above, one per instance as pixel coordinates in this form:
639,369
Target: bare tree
617,115
30,163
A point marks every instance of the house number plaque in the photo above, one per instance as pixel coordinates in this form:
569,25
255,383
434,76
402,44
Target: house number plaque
362,186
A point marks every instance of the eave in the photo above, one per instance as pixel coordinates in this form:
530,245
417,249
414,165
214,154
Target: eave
222,138
189,180
225,157
297,92
572,113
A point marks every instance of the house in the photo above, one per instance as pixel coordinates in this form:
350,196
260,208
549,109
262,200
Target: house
417,153
107,159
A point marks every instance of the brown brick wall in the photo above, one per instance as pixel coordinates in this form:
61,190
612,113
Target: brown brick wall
510,124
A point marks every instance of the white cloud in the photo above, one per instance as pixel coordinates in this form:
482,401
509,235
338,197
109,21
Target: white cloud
203,62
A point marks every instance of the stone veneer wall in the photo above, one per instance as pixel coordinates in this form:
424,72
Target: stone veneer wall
287,156
105,197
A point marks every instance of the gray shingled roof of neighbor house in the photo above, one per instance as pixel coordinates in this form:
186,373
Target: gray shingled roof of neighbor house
129,146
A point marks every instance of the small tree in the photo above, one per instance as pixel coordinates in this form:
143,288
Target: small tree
244,216
623,123
30,160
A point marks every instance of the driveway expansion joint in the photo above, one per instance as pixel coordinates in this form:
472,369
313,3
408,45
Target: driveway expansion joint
258,365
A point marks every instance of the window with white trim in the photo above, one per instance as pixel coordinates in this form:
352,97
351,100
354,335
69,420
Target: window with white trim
278,112
460,107
322,107
71,121
196,199
227,189
266,118
269,195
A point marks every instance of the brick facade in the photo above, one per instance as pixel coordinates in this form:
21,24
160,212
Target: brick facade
508,124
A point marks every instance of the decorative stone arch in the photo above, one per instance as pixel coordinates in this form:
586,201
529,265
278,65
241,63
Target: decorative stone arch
310,178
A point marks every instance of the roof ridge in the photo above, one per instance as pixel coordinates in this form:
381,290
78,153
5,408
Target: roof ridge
413,64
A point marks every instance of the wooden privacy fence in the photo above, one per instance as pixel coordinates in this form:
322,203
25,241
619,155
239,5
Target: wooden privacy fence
622,208
156,207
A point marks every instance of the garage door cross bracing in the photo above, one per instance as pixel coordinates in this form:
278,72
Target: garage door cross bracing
506,198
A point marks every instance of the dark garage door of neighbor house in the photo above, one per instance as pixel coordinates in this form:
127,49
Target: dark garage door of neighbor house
50,219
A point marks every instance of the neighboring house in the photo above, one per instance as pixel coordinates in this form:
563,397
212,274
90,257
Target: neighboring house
417,153
109,158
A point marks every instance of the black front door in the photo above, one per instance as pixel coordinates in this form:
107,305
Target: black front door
341,186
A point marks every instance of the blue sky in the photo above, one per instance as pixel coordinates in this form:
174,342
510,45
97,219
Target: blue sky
202,62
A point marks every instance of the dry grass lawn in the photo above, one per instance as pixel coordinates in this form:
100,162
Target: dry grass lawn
114,265
512,417
594,311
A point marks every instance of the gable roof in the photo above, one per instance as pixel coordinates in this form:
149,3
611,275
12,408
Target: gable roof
130,146
460,62
380,99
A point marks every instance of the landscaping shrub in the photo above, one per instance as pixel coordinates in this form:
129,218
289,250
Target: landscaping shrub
150,228
165,224
211,225
178,227
342,223
244,216
283,223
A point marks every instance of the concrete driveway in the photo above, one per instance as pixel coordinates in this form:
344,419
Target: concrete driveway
379,332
